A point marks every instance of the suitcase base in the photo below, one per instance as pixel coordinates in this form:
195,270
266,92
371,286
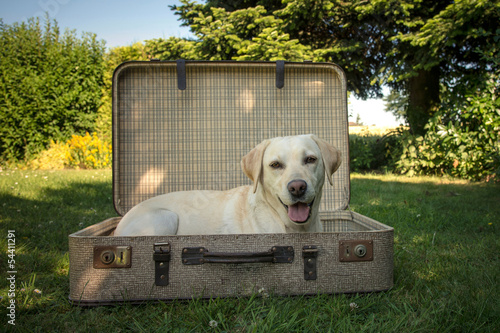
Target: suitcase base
354,255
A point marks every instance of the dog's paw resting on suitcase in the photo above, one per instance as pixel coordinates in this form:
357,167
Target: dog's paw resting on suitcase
288,174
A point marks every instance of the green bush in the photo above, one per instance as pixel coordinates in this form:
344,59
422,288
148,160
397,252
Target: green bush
361,152
50,86
80,152
464,145
373,152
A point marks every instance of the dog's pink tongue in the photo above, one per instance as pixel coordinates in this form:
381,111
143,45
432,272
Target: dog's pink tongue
298,212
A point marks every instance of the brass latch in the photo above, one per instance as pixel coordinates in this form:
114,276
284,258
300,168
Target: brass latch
112,257
355,250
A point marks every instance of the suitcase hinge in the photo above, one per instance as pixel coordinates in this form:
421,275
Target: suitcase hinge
310,253
161,256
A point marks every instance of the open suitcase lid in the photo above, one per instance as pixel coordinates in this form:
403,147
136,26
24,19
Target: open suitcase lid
186,125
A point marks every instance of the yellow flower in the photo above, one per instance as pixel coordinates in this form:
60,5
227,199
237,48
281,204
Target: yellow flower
87,150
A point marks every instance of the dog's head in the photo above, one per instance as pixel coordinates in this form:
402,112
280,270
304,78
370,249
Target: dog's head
291,172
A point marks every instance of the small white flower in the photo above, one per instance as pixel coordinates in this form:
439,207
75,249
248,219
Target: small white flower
353,306
418,215
213,323
263,293
37,291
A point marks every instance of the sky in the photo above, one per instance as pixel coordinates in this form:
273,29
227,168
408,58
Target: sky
124,22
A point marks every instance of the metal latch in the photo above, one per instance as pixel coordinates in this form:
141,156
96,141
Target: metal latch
310,253
112,257
161,256
355,250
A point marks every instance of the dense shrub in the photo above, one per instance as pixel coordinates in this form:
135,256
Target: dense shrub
86,152
362,152
373,151
50,86
54,158
461,143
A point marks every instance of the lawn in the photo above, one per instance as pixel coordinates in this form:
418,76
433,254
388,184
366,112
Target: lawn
447,263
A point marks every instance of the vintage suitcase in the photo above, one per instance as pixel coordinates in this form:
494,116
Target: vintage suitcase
186,125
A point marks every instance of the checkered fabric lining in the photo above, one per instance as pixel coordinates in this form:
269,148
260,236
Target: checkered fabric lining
166,139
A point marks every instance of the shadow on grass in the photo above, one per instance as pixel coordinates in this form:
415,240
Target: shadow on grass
47,220
43,212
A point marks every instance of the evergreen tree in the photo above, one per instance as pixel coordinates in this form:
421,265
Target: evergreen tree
427,52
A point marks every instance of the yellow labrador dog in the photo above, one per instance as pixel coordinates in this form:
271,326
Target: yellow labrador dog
288,174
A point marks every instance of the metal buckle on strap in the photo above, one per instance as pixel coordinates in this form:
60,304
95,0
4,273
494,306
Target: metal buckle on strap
310,253
161,256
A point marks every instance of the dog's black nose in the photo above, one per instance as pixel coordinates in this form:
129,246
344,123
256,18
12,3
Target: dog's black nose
297,187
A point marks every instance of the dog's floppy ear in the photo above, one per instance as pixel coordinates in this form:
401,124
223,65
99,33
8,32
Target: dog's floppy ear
251,163
332,158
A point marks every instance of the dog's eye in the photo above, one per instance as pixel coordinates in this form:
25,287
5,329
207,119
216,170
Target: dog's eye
276,165
310,160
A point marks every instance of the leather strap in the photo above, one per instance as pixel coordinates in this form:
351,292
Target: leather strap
280,74
181,74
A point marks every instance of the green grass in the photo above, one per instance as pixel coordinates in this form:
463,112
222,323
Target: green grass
446,279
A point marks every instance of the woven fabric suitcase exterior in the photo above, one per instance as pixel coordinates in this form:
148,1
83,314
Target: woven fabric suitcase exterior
185,126
90,286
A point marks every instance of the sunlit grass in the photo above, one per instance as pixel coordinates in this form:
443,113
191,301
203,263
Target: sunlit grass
446,258
371,130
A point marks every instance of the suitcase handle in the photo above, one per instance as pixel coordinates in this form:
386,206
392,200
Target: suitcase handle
201,255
